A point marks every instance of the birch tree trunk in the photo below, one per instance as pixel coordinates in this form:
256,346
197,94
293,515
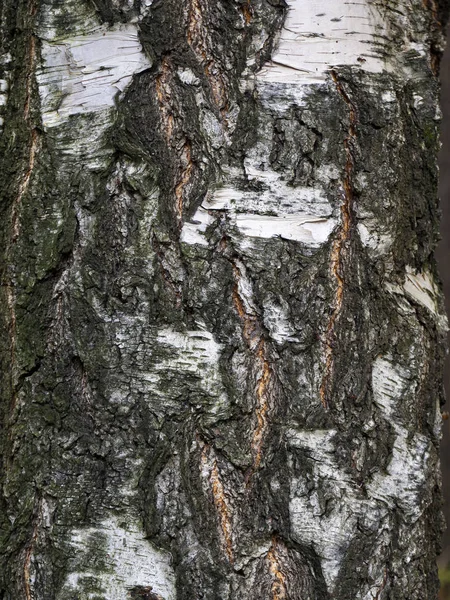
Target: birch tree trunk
223,345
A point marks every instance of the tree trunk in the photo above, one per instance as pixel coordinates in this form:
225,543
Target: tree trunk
223,348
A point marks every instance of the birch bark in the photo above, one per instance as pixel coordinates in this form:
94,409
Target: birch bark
224,333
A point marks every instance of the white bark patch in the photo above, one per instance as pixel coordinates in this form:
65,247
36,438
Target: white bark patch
319,35
327,526
277,321
4,87
3,90
188,76
276,198
372,238
194,232
326,504
145,7
420,287
196,353
128,560
245,289
85,73
272,207
407,469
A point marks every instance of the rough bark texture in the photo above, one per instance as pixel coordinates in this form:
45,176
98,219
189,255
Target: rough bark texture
224,338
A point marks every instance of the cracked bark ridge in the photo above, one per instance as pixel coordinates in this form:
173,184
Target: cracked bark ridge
222,370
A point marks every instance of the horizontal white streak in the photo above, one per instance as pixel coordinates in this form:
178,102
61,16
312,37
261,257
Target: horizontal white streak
320,35
309,230
193,348
299,213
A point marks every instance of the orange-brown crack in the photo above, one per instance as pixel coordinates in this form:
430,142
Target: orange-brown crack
164,95
30,71
250,323
24,185
186,174
251,333
432,5
28,554
198,41
278,588
22,190
220,502
435,53
383,584
339,247
165,273
246,11
262,406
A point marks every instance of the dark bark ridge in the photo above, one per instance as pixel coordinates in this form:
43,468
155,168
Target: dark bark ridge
193,406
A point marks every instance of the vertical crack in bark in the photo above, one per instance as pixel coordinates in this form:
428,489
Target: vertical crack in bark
220,500
432,6
30,72
24,185
183,156
17,201
164,94
340,248
383,585
186,173
247,12
262,407
165,272
198,41
278,589
29,595
256,343
435,52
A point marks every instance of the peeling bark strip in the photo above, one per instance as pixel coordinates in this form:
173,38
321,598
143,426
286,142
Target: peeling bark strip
192,192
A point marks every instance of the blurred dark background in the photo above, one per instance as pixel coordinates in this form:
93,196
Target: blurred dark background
443,257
